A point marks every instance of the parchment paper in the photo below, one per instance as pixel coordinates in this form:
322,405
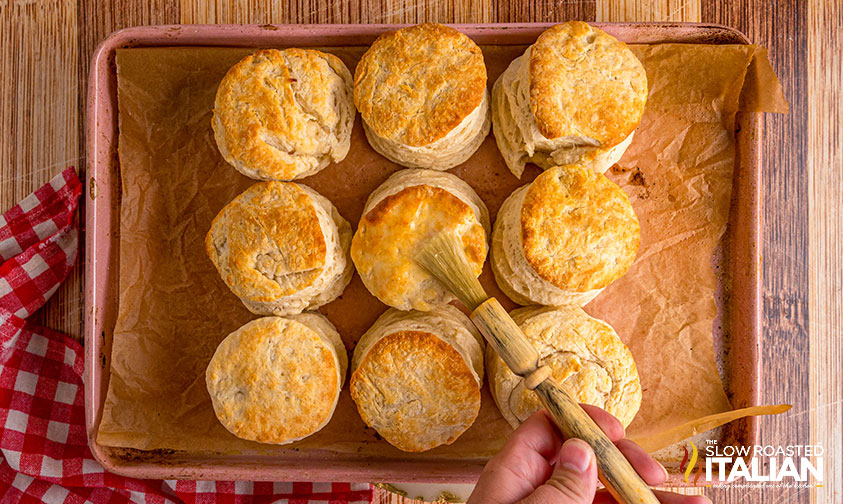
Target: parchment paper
174,309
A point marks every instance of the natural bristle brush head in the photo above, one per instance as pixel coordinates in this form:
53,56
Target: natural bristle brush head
443,257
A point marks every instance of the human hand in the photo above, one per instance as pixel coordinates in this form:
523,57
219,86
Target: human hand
537,467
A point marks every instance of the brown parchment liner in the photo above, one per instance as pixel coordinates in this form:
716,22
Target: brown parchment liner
174,309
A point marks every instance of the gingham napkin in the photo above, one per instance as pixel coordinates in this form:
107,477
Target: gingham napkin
44,455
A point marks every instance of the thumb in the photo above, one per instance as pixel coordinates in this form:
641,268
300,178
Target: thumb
574,478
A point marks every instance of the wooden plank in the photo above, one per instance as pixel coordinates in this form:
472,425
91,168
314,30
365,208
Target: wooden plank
314,11
517,11
38,117
38,113
649,10
385,11
781,27
825,219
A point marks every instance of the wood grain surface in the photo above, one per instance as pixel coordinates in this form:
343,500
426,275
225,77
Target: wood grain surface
40,117
46,46
825,239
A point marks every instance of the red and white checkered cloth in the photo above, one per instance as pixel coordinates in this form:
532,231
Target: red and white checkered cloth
44,454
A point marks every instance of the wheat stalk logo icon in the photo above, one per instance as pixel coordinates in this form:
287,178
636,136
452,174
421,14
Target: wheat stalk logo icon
692,462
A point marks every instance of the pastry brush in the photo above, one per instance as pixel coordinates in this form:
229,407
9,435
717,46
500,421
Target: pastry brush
443,257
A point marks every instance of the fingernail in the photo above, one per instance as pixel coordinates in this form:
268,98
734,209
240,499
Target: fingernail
666,475
576,455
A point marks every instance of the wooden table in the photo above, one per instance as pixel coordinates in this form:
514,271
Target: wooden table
45,48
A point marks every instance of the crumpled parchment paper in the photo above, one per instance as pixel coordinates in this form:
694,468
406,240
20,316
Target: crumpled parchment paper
174,309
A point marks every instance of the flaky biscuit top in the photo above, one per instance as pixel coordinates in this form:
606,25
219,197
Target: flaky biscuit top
283,115
276,380
585,83
417,84
268,242
578,229
408,209
391,233
416,377
585,355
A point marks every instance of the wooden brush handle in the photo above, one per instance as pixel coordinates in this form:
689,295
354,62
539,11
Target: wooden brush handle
614,470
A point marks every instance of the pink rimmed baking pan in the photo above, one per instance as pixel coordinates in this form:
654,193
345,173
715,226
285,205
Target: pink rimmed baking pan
737,332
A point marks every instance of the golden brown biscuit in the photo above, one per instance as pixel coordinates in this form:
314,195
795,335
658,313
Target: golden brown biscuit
281,248
277,380
575,96
409,208
421,92
416,377
587,359
284,115
563,238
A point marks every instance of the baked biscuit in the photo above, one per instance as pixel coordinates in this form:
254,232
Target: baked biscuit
575,96
406,210
587,359
284,115
563,238
416,377
277,380
421,92
281,248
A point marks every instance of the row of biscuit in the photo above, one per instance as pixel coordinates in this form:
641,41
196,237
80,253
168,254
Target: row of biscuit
575,96
282,248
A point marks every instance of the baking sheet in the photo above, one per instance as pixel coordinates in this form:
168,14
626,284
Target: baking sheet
174,309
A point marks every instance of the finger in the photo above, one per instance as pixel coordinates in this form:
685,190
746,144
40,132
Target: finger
521,465
538,434
603,497
534,439
530,450
608,423
574,479
646,466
